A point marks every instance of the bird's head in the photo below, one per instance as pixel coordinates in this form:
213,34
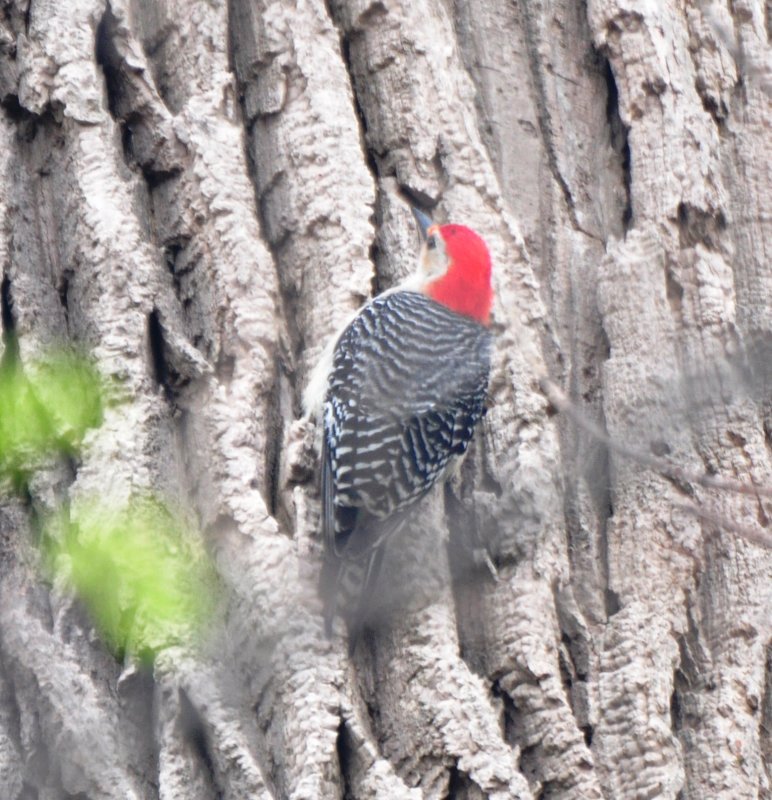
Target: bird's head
455,268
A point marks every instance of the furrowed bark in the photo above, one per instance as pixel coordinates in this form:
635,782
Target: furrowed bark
199,194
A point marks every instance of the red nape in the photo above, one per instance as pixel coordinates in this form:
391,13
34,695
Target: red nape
466,287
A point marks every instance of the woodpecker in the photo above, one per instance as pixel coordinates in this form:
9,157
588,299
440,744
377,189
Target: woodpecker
399,392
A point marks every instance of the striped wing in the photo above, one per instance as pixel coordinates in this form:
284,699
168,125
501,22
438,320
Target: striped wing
407,388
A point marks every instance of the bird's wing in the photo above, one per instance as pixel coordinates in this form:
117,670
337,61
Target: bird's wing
407,387
328,494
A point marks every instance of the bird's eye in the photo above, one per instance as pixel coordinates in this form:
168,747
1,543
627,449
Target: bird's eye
431,243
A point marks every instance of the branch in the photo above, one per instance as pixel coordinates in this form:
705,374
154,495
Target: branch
558,399
561,402
748,532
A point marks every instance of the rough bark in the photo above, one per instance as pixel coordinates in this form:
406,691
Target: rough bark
200,193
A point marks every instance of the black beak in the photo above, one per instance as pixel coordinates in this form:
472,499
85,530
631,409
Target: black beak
424,223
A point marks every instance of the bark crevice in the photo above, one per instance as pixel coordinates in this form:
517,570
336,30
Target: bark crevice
620,144
201,194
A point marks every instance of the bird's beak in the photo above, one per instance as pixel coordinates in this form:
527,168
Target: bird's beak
424,223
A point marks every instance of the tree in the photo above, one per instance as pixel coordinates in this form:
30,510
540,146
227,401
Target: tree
200,193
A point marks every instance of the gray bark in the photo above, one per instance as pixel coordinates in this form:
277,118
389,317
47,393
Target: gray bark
201,192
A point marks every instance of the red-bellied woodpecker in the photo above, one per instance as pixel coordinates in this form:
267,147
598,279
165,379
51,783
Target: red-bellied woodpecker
400,393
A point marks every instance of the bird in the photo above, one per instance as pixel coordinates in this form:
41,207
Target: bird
399,393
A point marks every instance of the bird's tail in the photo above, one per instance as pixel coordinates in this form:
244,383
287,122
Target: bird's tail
350,585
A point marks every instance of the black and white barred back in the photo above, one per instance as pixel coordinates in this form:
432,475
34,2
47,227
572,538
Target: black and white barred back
408,385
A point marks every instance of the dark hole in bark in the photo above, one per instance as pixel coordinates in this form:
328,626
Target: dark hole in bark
274,443
127,134
676,711
375,284
64,294
415,198
565,670
105,55
627,214
619,139
613,606
344,759
192,730
459,785
15,109
587,732
511,715
11,353
155,177
7,303
156,342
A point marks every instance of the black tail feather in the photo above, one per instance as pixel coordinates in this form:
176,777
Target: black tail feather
350,584
364,603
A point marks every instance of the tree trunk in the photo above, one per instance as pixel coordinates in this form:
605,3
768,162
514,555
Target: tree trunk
200,193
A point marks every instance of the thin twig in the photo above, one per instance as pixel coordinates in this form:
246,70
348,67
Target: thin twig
747,532
558,399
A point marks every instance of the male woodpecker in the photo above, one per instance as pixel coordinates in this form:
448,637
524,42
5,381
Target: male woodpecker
400,393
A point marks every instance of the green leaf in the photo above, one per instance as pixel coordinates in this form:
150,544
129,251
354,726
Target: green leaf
143,575
46,410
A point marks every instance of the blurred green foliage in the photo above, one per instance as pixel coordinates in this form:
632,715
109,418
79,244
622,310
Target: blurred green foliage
72,392
46,408
142,574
